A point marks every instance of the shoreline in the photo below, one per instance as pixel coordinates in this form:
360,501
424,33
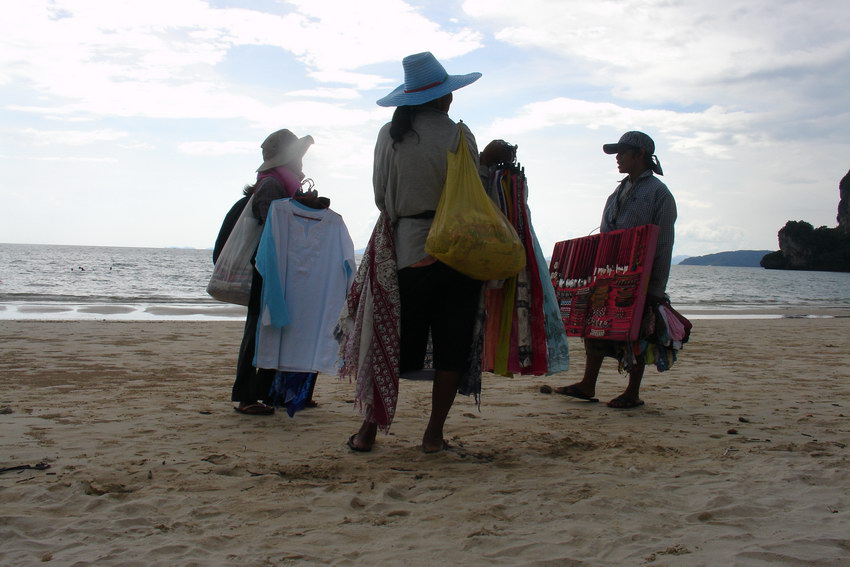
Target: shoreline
227,312
773,312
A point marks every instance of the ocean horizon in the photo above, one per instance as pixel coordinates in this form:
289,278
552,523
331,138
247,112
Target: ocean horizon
68,282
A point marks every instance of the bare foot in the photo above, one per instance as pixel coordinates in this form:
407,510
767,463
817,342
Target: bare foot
575,391
364,439
625,402
428,447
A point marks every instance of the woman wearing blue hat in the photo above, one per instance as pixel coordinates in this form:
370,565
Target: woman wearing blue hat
408,176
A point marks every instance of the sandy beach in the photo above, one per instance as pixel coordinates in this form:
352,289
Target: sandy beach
130,454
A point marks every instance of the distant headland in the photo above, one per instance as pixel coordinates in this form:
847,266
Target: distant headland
736,258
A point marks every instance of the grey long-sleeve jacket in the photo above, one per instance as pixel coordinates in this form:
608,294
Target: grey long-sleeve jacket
647,202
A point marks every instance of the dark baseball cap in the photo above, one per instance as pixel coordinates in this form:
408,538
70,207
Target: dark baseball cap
630,141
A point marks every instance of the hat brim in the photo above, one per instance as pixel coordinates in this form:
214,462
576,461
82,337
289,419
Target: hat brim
617,148
294,151
452,83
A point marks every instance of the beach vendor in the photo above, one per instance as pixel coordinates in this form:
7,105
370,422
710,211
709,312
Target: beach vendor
410,167
640,198
279,176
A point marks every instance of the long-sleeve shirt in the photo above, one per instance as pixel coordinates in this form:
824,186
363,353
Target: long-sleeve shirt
408,179
306,258
648,201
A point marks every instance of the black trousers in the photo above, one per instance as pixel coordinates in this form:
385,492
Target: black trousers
442,302
251,383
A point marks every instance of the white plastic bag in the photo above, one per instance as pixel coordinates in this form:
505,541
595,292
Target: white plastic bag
233,272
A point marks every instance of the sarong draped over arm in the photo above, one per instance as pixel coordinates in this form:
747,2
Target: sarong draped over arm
368,330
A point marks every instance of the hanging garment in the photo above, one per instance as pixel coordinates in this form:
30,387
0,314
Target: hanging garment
524,332
538,363
368,329
369,336
291,390
669,332
306,258
557,348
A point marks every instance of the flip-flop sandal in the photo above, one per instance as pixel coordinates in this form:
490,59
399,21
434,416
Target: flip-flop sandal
444,447
354,447
621,402
255,409
573,392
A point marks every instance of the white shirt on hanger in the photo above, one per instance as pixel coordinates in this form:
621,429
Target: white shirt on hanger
306,258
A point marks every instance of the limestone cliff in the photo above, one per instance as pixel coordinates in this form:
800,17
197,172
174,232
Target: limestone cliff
804,247
795,244
843,217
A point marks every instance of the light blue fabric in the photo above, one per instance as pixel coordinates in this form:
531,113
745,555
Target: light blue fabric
267,261
556,335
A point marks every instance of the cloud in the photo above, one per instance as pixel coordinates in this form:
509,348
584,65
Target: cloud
761,56
160,58
218,148
685,201
712,133
709,230
65,159
342,34
136,146
71,137
336,94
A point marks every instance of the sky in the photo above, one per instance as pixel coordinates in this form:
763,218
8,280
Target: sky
137,123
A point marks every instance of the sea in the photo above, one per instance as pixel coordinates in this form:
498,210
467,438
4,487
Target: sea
53,282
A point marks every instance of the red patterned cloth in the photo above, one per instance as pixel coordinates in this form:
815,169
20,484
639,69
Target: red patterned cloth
368,330
538,364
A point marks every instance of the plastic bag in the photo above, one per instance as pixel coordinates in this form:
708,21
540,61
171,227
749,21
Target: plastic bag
233,272
469,232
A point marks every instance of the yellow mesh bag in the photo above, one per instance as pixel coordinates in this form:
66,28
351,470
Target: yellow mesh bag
469,233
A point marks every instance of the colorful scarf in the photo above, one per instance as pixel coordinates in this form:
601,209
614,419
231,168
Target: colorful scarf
368,330
557,348
538,364
288,180
524,332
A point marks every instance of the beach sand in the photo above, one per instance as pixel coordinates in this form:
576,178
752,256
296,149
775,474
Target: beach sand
739,457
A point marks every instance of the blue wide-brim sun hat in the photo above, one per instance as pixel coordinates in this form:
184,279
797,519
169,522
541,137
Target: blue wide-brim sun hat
425,80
